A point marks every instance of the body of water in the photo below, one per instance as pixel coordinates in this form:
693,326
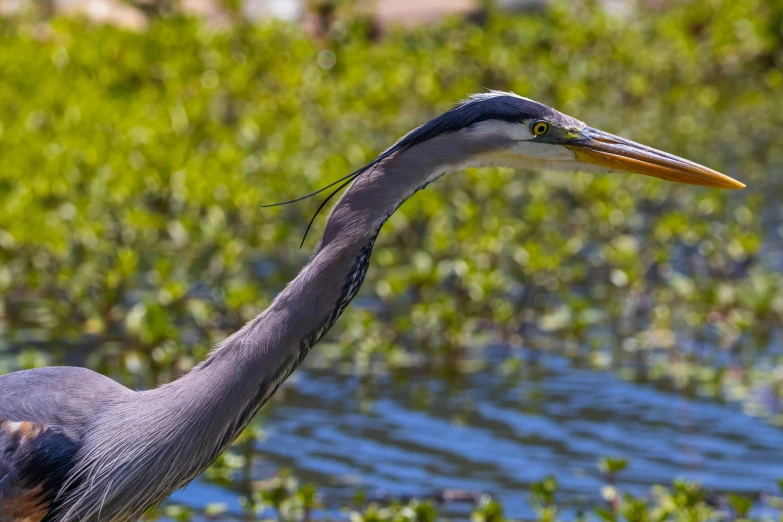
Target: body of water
490,433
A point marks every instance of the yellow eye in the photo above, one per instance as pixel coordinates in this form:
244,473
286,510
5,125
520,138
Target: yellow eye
540,127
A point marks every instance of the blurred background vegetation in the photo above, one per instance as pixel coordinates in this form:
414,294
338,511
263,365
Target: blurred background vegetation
133,162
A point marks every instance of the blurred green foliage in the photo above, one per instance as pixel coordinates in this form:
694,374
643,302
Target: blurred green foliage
132,168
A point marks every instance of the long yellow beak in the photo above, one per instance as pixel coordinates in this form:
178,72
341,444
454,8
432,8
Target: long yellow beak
606,150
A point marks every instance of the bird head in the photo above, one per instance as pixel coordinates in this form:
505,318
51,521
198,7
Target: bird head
504,129
517,132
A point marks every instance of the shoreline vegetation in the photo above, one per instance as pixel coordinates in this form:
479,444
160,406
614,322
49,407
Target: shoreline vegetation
286,499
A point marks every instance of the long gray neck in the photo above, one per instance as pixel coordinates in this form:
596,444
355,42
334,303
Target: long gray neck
248,367
179,429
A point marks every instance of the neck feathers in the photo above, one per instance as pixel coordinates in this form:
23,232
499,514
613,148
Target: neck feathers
248,367
271,346
119,472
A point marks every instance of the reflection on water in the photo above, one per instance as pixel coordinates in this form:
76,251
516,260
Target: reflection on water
489,433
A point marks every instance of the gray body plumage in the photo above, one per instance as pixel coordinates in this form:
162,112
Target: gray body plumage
93,450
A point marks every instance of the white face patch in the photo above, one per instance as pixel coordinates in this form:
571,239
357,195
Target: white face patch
529,155
544,151
495,128
523,151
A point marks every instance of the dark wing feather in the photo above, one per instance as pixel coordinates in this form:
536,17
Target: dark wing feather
34,461
43,416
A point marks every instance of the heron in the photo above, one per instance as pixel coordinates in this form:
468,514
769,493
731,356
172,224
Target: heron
77,446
